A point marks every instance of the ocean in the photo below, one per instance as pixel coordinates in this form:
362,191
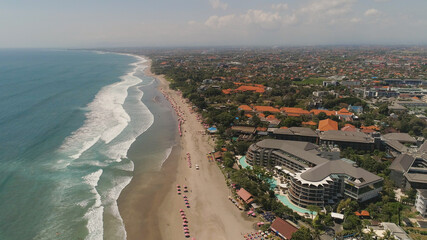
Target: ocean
67,122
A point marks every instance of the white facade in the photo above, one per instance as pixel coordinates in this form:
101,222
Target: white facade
421,202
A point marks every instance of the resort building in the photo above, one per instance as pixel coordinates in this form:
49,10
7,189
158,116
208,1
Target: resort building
421,202
347,139
315,180
394,143
296,134
409,170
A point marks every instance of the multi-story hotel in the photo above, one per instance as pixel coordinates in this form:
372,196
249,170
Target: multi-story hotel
316,178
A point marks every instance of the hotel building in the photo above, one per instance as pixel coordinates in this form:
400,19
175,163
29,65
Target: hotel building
316,178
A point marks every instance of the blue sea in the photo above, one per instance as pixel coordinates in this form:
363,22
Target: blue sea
67,121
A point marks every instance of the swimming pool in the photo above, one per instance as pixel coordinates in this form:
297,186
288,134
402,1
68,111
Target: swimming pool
243,162
284,199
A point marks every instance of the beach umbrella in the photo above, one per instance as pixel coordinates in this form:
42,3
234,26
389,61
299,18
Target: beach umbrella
183,217
185,196
187,235
184,220
181,210
185,228
182,214
184,224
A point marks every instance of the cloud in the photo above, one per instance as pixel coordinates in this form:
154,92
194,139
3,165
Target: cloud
219,21
217,4
259,16
372,12
280,6
355,20
328,7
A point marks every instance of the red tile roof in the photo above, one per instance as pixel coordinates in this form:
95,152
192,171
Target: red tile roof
363,213
309,123
344,111
245,108
250,88
245,195
328,124
370,127
317,111
226,91
284,228
349,128
266,109
291,110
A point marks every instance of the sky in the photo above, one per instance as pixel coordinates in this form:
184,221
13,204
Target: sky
160,23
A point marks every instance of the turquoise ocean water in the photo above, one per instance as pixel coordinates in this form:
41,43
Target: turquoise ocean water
67,120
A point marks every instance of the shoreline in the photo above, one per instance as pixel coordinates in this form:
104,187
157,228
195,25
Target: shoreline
149,204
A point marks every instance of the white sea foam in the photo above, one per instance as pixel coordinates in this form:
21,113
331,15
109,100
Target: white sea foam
106,118
168,152
111,202
111,128
95,213
129,167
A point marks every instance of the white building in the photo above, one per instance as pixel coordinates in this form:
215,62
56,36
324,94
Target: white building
421,202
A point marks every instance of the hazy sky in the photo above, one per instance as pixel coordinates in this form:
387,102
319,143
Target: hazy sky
114,23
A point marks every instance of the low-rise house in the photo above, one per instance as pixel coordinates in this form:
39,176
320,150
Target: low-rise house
262,109
355,109
327,125
245,108
396,231
245,196
283,228
344,114
294,112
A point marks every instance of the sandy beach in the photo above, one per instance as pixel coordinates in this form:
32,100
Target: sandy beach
150,204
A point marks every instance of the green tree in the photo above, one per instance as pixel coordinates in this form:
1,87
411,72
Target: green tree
302,234
352,222
322,116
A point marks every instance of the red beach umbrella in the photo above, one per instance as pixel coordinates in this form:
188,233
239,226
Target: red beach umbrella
181,210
